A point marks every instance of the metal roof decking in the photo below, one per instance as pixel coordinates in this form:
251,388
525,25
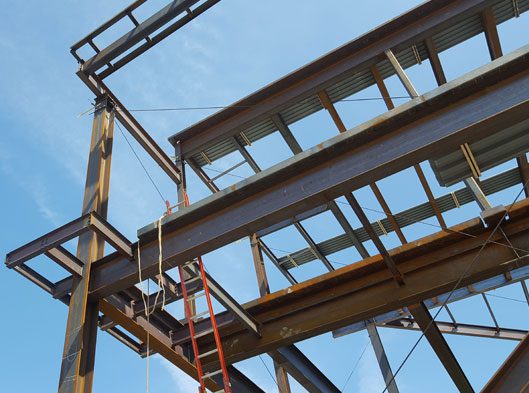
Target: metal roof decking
445,34
405,218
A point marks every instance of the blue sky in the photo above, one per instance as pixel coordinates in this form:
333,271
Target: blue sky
232,50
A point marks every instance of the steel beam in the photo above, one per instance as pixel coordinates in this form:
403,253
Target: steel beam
122,314
382,359
283,384
388,261
425,321
303,370
134,36
416,25
51,240
66,260
512,376
289,358
78,358
401,74
491,33
98,87
224,298
432,266
462,329
431,124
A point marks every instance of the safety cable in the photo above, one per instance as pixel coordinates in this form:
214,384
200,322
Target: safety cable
354,367
270,373
445,301
141,163
212,107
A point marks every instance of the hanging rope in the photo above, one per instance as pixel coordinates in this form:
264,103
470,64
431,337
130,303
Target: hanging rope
146,299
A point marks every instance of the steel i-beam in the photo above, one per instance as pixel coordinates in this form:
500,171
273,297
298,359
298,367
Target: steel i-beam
78,358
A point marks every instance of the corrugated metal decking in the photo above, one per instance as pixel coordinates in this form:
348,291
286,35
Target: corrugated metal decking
405,218
356,80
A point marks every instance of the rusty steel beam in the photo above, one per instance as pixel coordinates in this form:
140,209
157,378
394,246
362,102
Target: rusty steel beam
414,26
441,348
66,260
513,375
121,313
434,123
462,329
98,87
289,358
388,260
48,241
77,367
491,33
137,34
432,266
50,244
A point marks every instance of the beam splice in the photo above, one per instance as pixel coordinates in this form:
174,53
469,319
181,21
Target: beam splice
512,376
423,318
437,123
77,368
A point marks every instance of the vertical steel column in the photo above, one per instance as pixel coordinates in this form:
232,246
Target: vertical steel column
77,366
181,189
281,375
382,359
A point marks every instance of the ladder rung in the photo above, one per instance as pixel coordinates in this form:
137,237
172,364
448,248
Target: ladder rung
195,317
211,374
220,391
204,333
195,296
203,355
191,262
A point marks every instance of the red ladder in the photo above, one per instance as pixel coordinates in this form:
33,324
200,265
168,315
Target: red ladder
192,318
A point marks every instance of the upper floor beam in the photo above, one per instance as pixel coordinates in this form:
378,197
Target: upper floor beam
484,102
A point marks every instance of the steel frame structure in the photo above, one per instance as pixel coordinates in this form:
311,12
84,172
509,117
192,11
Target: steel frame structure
392,289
